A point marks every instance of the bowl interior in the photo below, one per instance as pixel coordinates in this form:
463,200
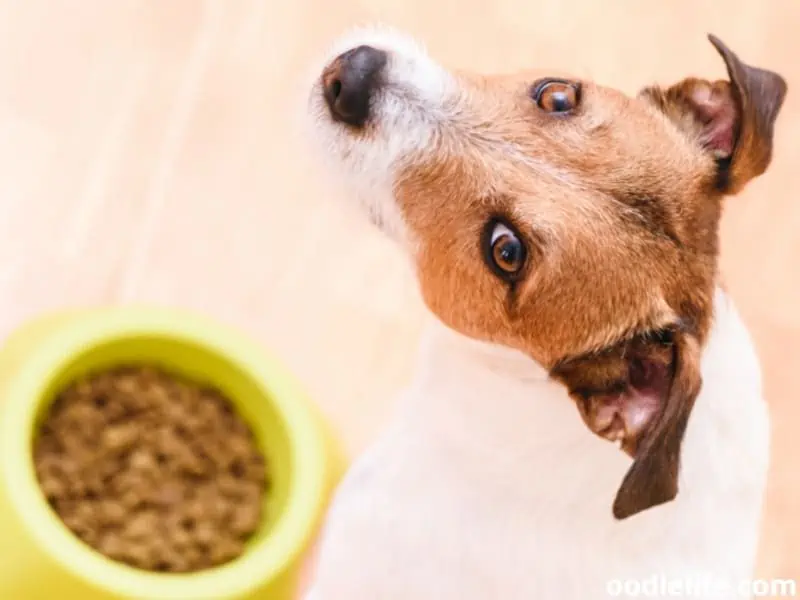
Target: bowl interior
201,364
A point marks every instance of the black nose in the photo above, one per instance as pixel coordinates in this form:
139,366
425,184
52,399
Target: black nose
350,81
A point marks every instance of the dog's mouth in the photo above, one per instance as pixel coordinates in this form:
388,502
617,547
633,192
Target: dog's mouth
621,390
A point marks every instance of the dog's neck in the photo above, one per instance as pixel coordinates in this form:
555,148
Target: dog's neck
484,392
495,404
489,468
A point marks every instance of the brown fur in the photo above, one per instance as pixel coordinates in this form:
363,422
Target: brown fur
618,205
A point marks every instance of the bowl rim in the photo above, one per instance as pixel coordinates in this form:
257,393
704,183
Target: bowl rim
267,558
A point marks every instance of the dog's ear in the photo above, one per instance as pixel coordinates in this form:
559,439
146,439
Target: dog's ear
653,477
734,120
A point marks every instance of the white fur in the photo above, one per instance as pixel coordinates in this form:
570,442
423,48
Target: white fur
487,485
417,96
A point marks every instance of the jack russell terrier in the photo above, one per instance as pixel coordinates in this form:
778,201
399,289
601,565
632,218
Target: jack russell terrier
565,241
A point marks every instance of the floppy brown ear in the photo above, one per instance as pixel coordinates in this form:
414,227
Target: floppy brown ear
653,477
734,120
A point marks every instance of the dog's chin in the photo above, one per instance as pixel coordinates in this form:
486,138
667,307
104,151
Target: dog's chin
359,171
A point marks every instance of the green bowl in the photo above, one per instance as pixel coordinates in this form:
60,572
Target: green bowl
40,559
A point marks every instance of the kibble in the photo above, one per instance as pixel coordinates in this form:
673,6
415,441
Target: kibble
151,470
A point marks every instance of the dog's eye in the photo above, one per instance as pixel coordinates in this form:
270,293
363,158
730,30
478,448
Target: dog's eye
506,252
556,96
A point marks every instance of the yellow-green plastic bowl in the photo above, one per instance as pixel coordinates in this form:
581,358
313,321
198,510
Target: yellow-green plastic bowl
40,559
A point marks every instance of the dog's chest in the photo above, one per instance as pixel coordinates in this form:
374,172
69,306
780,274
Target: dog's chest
407,528
484,491
418,517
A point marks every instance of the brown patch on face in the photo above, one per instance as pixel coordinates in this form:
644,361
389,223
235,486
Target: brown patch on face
617,203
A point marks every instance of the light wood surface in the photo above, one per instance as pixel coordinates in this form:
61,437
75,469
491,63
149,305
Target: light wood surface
148,153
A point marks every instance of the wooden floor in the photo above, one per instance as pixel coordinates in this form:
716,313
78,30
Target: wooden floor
148,153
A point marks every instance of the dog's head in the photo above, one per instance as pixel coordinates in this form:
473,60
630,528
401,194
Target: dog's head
559,217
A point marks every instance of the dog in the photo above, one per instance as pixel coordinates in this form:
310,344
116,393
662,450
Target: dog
564,237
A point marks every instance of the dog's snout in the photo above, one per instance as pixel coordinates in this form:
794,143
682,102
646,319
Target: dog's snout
350,81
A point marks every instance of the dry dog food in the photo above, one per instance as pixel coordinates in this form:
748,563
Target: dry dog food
151,470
